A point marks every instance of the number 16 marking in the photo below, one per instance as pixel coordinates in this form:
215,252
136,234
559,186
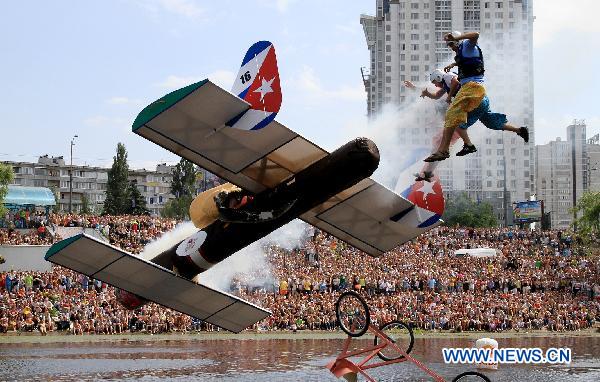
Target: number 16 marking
246,77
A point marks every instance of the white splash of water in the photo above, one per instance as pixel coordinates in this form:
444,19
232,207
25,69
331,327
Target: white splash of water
250,264
168,239
398,135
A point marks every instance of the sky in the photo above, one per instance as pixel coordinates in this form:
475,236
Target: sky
88,68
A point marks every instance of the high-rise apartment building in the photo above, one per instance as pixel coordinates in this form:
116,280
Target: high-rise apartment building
553,165
563,174
405,41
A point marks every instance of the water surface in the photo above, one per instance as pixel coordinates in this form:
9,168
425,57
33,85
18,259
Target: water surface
265,360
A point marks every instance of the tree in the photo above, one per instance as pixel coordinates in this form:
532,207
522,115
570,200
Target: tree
184,179
7,176
465,212
183,186
178,208
137,202
588,220
55,192
85,204
117,200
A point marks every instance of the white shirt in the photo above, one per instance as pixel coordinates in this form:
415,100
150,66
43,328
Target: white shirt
447,78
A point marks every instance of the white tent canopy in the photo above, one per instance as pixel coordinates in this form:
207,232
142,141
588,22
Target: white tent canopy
477,252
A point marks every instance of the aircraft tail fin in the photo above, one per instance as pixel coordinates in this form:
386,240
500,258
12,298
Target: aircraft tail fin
258,84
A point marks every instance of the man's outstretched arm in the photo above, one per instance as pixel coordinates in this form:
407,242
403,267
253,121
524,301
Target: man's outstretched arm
449,67
436,95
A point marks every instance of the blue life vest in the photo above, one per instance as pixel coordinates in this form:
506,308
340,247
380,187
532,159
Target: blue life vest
469,66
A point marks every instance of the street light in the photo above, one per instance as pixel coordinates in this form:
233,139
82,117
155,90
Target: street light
71,175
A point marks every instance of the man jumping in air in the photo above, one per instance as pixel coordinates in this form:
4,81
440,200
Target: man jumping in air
471,103
446,84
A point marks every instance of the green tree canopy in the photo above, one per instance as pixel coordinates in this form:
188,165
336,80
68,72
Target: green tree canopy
184,179
137,202
588,216
183,186
85,204
7,176
463,211
178,208
117,201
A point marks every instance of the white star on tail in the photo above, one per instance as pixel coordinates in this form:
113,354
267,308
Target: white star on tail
427,189
265,88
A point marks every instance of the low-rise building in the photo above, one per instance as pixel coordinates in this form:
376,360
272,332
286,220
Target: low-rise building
89,183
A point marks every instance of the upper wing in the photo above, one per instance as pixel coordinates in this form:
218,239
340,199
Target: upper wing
192,123
87,255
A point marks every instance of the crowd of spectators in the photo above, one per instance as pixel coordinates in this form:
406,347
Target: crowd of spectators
23,218
539,280
38,236
131,233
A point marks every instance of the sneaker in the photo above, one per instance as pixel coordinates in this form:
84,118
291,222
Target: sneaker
437,156
467,149
524,133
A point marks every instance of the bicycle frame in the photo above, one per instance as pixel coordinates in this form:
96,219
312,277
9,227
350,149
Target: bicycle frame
342,365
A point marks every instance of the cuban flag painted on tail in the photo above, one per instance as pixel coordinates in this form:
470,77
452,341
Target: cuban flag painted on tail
428,200
258,84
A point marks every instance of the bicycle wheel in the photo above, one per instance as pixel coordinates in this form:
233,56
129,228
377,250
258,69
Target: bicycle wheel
470,376
401,334
352,314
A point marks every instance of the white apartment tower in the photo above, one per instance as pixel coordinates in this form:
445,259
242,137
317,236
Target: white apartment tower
405,41
554,181
563,174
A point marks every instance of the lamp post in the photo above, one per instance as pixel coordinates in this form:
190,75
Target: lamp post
71,175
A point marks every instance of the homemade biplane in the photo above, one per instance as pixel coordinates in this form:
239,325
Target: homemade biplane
275,176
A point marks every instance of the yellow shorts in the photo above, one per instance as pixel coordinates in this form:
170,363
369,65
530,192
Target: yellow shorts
467,99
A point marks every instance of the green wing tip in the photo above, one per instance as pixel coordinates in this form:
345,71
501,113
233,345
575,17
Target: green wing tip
57,247
163,103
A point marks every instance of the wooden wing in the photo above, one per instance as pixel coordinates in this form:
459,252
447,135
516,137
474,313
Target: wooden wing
370,217
191,122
